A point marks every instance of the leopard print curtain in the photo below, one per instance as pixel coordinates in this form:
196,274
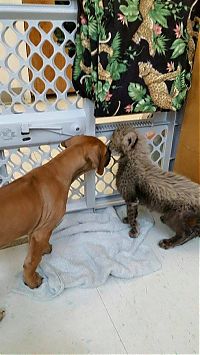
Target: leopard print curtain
135,56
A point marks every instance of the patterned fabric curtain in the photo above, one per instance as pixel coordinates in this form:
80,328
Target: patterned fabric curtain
135,56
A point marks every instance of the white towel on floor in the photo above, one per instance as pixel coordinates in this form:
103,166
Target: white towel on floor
88,247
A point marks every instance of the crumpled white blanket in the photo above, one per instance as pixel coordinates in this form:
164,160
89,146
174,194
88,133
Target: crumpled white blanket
90,246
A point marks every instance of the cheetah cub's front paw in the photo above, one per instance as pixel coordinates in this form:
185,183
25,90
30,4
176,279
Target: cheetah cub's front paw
133,233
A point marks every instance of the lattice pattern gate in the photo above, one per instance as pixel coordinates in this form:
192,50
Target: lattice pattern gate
39,108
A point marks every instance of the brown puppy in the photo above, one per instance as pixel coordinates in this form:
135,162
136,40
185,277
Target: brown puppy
140,181
34,204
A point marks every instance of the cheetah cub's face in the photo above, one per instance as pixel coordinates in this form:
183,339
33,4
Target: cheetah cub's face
144,69
115,144
123,140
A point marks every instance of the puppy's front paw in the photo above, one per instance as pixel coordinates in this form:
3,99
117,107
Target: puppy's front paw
33,282
133,233
2,314
165,244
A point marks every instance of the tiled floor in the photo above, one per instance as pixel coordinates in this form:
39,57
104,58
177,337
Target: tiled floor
155,314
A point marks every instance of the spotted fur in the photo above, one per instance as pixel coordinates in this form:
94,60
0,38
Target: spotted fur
175,196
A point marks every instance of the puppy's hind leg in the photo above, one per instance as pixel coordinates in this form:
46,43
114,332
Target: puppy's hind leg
38,245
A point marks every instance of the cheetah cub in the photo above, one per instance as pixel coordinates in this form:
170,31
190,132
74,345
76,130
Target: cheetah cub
140,181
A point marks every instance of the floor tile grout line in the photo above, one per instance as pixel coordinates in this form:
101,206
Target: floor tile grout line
112,321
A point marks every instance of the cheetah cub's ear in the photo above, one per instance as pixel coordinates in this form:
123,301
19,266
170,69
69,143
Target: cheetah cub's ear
129,141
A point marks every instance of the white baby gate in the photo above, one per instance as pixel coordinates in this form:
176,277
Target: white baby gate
39,108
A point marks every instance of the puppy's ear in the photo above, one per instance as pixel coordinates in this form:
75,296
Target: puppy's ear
67,143
96,157
129,141
71,141
63,144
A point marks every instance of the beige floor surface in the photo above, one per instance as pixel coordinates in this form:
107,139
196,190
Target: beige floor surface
156,314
